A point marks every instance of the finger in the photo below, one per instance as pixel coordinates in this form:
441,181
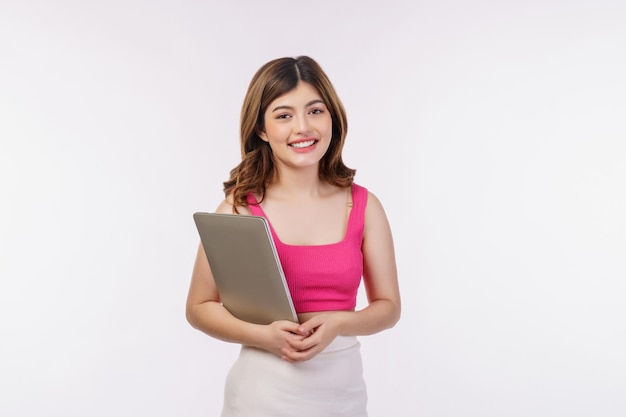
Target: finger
287,359
302,355
290,326
302,346
312,325
304,330
292,337
298,343
289,355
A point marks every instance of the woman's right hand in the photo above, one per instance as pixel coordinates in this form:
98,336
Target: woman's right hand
277,335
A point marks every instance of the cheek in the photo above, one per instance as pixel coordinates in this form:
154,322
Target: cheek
271,133
327,128
329,131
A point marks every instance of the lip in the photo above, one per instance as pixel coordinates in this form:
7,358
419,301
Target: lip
304,149
302,140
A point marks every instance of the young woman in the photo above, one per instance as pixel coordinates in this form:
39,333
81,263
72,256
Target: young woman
329,232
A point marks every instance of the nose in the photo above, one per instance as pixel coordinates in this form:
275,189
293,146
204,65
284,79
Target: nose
301,124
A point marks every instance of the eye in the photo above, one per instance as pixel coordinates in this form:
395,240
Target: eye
316,111
283,116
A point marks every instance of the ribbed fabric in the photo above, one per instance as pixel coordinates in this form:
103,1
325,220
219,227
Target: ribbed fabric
324,277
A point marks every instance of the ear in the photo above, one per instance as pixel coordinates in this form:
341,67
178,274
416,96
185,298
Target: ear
262,135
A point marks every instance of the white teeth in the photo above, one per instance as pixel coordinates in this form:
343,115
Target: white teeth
303,144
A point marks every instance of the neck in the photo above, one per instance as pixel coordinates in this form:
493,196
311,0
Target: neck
302,183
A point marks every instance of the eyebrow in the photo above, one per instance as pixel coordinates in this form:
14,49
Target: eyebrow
310,103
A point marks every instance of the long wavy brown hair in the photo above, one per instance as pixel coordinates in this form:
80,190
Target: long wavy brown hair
256,171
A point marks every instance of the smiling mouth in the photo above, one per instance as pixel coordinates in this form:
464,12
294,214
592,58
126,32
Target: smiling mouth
303,144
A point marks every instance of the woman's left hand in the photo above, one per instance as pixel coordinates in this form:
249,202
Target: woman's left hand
322,329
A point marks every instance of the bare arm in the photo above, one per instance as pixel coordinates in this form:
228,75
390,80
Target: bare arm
206,313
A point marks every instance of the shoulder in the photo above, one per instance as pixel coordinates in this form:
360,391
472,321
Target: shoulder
375,215
358,188
359,193
373,202
227,207
368,197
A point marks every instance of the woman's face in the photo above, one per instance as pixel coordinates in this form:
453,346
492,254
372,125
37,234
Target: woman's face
298,128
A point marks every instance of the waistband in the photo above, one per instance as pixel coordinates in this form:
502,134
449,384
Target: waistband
341,342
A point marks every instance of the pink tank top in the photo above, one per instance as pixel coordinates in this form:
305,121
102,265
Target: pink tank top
324,277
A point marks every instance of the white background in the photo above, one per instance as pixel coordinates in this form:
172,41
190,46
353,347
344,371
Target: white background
493,132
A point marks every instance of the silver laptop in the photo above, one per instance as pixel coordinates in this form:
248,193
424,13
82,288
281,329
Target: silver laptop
246,267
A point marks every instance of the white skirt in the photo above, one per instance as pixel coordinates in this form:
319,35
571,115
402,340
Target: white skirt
261,384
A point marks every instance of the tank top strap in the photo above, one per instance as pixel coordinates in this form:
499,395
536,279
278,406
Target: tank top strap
254,206
359,203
